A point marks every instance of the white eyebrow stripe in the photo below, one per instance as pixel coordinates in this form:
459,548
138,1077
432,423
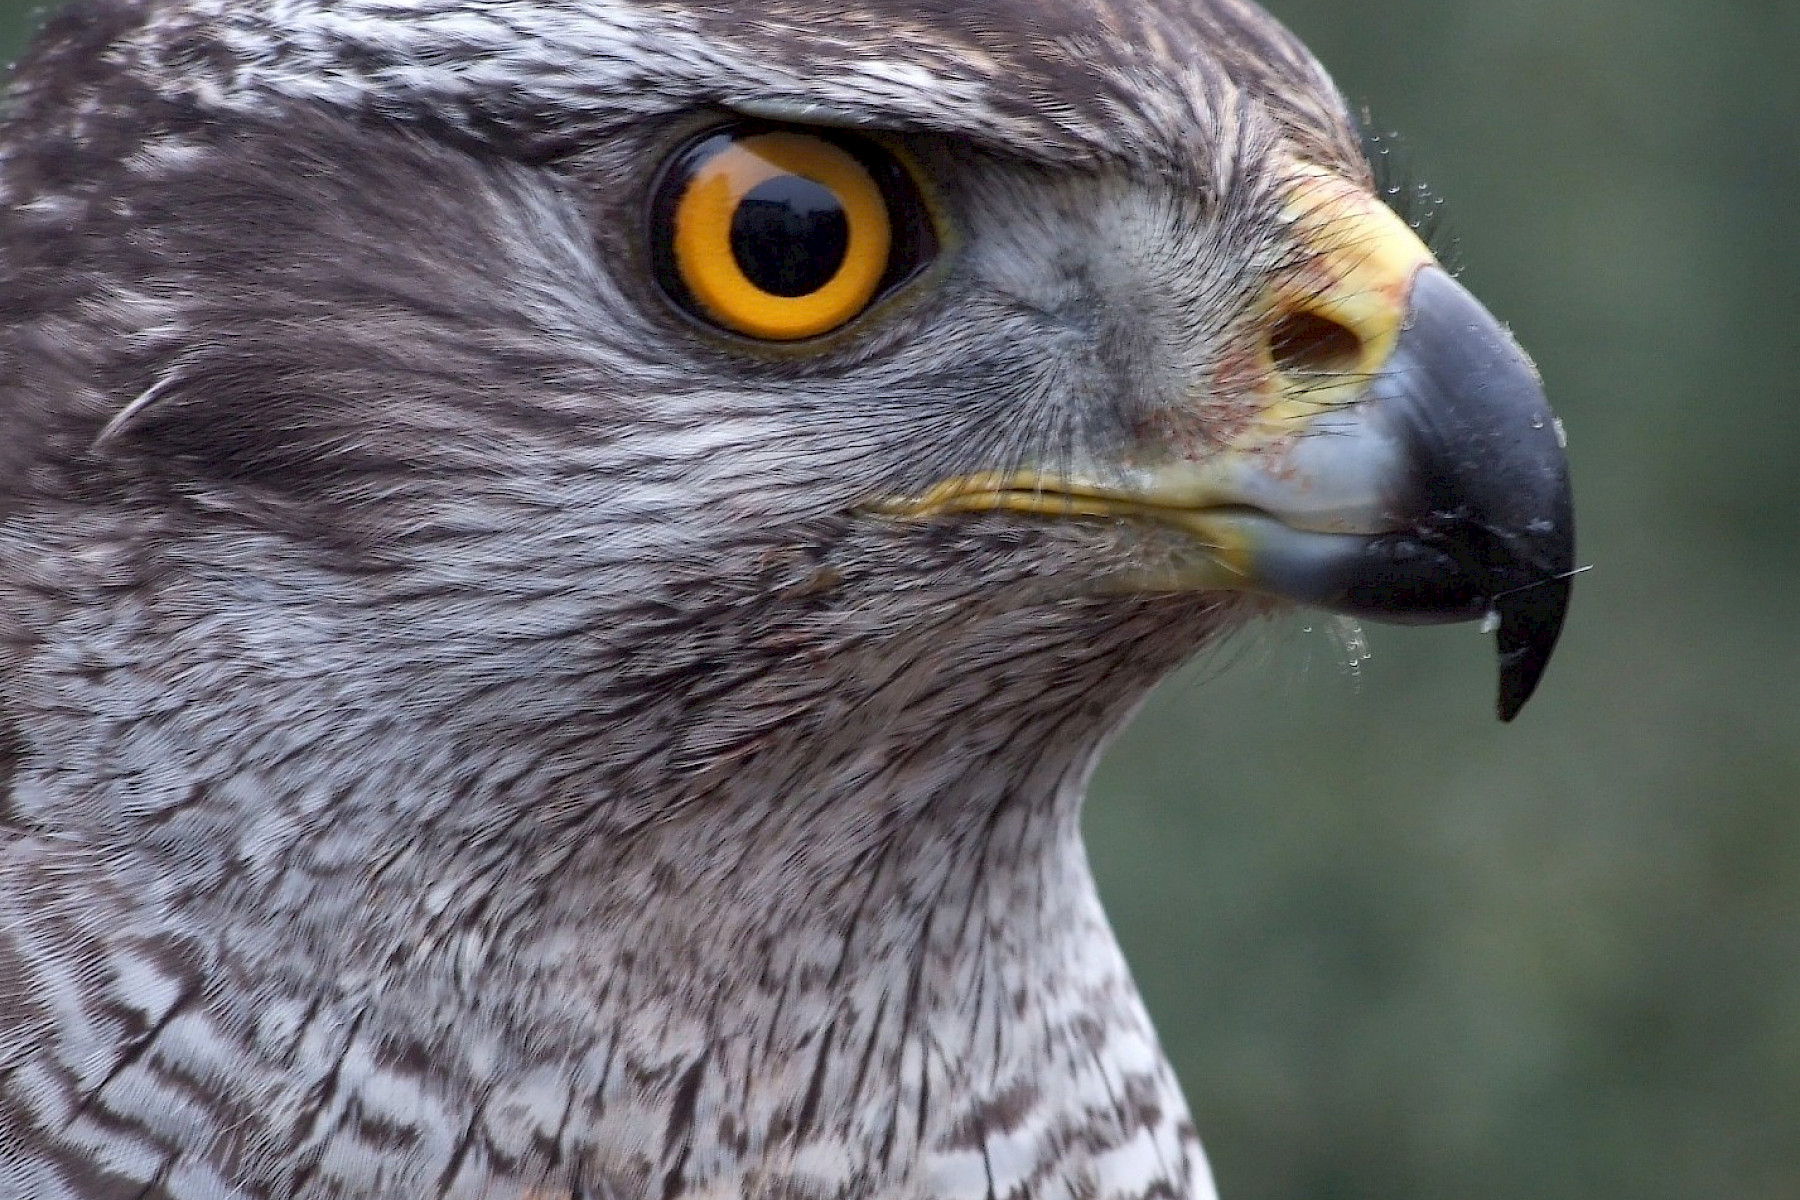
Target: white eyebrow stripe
598,63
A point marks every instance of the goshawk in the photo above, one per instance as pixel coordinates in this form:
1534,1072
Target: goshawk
564,563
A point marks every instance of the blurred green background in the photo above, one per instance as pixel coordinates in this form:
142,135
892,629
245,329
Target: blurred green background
1398,950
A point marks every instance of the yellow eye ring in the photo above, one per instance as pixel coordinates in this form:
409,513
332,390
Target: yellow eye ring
785,234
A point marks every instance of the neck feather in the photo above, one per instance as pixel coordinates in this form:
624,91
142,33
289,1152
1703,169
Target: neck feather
861,955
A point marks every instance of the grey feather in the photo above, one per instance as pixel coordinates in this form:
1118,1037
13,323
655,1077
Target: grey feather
464,739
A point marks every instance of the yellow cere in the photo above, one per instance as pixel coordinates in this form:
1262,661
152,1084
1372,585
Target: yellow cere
1359,261
1361,267
703,223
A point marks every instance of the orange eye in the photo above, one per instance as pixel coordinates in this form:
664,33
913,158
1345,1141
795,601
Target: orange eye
784,235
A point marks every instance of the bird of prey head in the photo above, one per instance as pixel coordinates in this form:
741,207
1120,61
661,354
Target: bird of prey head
563,564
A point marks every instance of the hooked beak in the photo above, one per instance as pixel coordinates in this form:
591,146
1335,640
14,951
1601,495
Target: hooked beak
1420,477
1477,497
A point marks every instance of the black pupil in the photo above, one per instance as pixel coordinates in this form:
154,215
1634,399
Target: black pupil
789,235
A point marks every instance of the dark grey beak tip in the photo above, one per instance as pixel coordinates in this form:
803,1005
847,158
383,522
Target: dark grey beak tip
1530,622
1491,443
1493,479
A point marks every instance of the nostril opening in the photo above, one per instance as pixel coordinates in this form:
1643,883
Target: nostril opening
1305,343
